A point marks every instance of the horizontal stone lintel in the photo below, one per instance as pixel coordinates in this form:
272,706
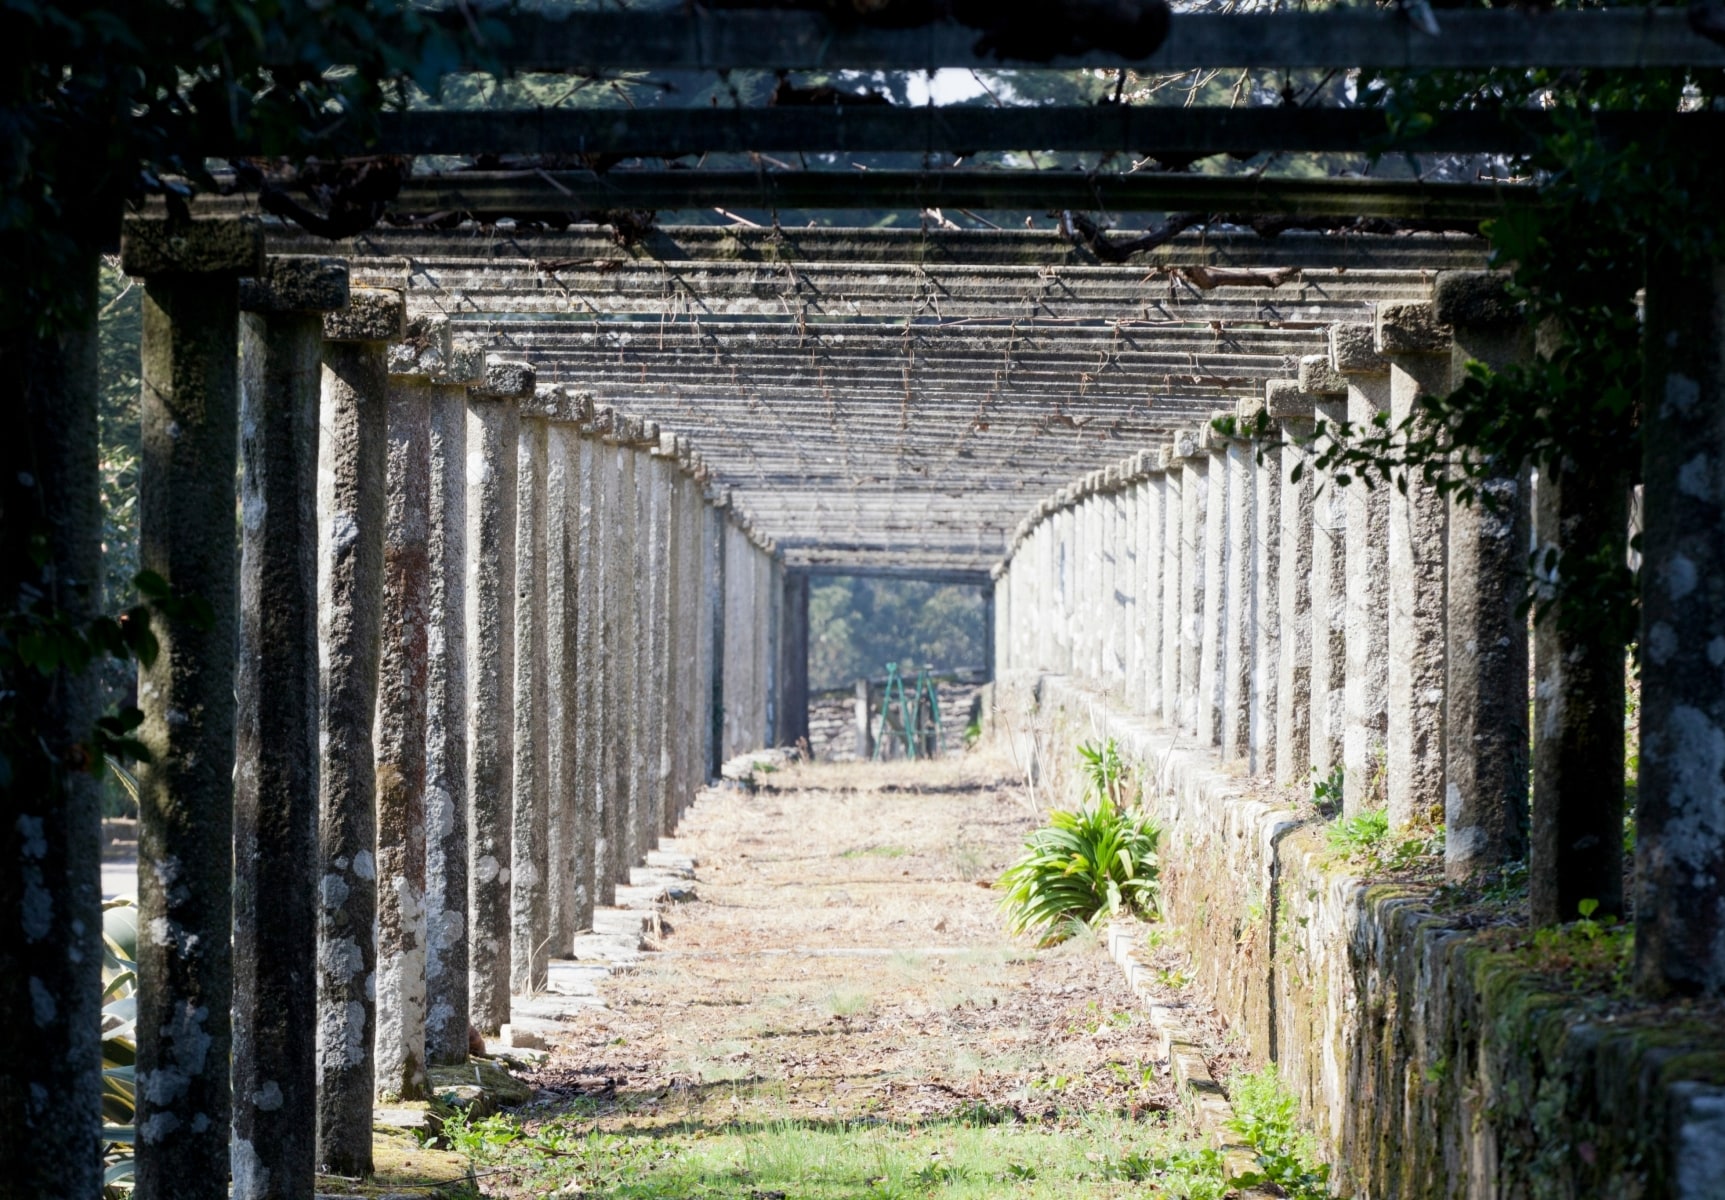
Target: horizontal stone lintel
296,284
214,246
372,315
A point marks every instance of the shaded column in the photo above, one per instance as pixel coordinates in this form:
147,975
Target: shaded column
633,651
1485,726
402,712
50,810
493,449
352,464
1418,350
530,863
1354,355
1680,815
656,548
447,809
1194,503
276,770
1329,396
186,536
713,583
1291,409
1173,579
588,694
1267,587
1241,602
570,889
794,661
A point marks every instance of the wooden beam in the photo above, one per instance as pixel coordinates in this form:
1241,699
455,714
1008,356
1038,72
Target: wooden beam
1158,131
525,193
697,39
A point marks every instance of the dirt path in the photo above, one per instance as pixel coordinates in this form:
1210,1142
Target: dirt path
842,976
846,958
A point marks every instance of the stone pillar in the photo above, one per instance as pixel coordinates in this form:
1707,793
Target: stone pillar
622,666
650,484
570,889
276,772
1418,349
1354,355
1329,393
633,651
1291,408
185,807
714,583
402,708
1240,606
589,693
1150,562
1109,547
351,490
794,661
1195,502
493,449
447,807
1680,816
1066,576
530,839
1213,644
1485,728
50,811
864,713
1173,580
1267,585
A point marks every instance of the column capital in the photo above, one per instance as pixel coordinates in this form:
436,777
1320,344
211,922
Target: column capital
1186,444
204,246
1286,400
428,352
1411,329
372,315
1354,350
1318,374
505,381
1475,300
302,284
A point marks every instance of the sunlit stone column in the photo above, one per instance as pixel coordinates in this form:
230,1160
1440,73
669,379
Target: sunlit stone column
351,508
1173,579
1291,409
1194,506
447,809
1241,600
1329,395
1213,604
529,883
1268,480
1354,355
570,832
275,777
1418,350
493,449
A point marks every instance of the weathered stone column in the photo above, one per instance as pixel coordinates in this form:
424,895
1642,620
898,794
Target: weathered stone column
50,810
1241,603
1486,735
1173,579
1195,503
1354,355
1110,548
617,529
1213,646
1329,393
599,470
1066,576
493,449
1267,585
185,809
276,772
636,647
649,806
1680,816
713,628
529,881
585,697
570,889
1151,556
352,464
1291,408
446,796
1418,349
402,712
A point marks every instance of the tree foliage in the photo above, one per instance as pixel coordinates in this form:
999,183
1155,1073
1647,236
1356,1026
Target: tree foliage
857,626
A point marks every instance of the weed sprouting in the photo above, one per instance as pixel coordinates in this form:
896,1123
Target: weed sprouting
1266,1119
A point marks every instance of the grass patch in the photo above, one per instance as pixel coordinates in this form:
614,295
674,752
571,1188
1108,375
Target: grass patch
977,1153
875,852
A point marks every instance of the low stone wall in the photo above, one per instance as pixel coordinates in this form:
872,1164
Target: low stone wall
1429,1059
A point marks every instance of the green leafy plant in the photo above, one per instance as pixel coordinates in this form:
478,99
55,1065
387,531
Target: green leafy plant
1359,834
1327,790
1266,1119
119,1043
1085,865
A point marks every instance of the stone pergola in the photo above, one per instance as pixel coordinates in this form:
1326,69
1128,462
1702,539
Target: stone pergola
523,526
